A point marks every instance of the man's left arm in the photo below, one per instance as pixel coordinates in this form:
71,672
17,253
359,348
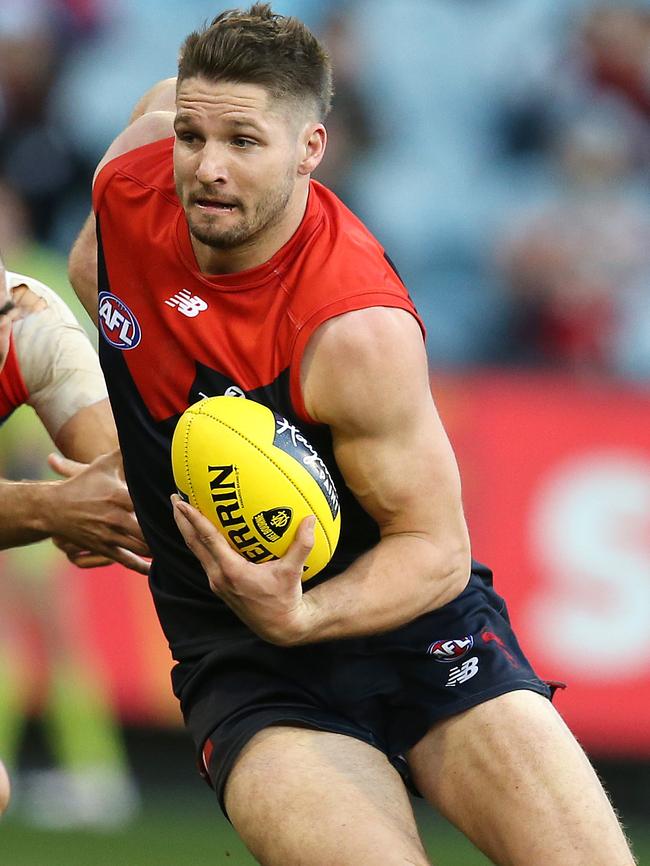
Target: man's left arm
394,454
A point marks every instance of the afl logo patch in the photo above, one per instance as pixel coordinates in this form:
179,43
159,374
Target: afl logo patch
451,650
117,323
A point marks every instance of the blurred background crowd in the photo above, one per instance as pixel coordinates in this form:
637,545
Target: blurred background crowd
499,150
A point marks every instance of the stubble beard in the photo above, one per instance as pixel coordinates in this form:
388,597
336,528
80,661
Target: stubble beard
268,212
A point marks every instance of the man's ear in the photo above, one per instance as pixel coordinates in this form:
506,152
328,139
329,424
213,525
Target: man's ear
313,144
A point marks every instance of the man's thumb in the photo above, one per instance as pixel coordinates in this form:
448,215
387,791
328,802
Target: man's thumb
65,467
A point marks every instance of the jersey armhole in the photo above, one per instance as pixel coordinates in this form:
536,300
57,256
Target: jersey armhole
336,308
106,174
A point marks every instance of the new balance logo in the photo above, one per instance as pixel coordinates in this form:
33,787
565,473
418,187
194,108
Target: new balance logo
188,304
463,672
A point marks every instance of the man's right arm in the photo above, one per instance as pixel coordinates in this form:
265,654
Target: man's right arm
151,120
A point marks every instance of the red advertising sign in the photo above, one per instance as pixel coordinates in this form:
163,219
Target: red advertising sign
557,491
556,477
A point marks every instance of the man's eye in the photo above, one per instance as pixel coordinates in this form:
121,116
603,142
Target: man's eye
243,142
187,137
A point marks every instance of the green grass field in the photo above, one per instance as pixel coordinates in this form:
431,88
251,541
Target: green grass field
190,832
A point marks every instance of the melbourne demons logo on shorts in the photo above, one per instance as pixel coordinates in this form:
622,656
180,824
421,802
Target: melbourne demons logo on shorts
117,323
451,650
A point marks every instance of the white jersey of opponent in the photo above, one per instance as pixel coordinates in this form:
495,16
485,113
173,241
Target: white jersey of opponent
57,361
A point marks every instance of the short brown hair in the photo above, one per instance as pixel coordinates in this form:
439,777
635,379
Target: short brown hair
258,46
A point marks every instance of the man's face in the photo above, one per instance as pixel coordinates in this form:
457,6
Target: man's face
236,156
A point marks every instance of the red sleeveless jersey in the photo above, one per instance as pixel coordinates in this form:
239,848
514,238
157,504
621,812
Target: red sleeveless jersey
13,391
253,324
170,335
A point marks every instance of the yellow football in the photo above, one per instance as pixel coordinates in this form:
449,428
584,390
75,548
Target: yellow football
255,476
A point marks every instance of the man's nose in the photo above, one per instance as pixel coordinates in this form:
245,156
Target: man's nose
212,167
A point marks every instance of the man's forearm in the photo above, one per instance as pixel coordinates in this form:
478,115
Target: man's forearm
403,577
25,511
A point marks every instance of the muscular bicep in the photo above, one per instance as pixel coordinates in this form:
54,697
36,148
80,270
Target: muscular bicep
388,439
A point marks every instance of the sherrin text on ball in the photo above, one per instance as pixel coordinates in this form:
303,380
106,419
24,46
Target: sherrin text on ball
256,477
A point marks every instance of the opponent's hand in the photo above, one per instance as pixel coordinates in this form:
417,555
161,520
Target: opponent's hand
80,557
90,515
267,596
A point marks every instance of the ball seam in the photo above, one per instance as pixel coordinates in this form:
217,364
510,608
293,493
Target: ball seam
277,465
186,459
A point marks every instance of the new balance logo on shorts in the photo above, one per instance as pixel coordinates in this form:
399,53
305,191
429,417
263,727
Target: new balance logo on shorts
188,304
463,672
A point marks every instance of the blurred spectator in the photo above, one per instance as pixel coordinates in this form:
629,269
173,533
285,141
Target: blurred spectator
616,44
571,264
351,125
444,119
25,255
435,77
37,158
577,264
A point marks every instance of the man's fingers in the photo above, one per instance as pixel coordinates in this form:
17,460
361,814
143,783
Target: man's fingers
123,556
131,561
84,559
131,527
118,555
66,546
64,466
131,539
130,552
198,528
110,539
194,527
302,544
203,539
191,522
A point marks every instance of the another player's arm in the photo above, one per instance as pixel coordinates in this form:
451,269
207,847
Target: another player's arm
151,119
33,510
90,513
90,510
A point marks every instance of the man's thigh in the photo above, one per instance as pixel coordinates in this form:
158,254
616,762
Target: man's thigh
512,777
300,796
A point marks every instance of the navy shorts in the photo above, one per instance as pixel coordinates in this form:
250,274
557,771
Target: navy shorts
386,690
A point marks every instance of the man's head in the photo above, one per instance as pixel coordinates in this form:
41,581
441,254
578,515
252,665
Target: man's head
253,89
259,47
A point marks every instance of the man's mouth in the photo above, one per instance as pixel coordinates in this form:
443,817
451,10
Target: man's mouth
215,205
